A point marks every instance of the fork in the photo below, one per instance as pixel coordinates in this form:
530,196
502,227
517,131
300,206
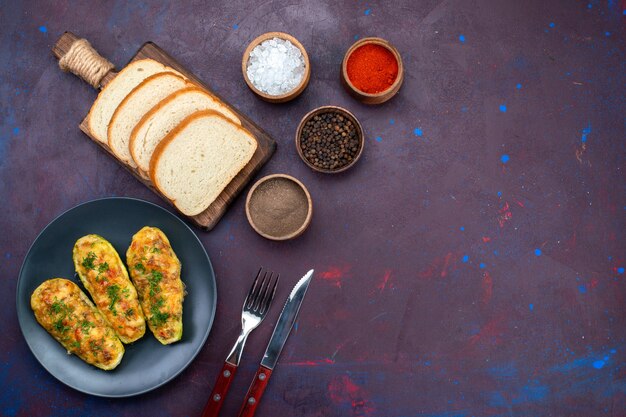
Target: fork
253,312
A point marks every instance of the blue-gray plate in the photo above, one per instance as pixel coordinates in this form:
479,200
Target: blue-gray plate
146,364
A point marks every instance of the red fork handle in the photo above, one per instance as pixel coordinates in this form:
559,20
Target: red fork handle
216,400
255,392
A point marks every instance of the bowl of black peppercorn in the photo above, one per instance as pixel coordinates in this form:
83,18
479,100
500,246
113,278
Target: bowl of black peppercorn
330,139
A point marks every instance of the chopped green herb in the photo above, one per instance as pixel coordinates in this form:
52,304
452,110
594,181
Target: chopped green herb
94,346
130,312
88,261
126,292
155,250
140,267
159,303
158,317
61,311
58,306
60,327
113,293
75,344
154,280
103,267
86,326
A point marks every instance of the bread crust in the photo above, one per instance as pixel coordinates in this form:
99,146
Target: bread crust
128,96
159,106
94,105
160,149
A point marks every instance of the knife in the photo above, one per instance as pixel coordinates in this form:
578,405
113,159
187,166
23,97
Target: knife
275,346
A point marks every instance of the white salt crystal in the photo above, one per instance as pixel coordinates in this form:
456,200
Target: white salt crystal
275,66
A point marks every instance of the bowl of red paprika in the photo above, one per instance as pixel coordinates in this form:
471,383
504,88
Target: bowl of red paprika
372,70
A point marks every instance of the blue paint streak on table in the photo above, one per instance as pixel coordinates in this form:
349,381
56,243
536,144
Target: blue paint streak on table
471,264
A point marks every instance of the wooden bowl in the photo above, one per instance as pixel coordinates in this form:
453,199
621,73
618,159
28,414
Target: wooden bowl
343,112
367,98
273,198
287,96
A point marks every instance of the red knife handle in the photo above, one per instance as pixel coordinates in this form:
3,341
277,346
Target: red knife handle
255,392
216,400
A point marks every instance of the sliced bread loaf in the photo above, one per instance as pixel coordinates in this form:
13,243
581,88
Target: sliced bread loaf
135,105
195,162
110,97
165,116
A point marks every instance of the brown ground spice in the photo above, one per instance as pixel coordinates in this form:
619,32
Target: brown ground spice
278,207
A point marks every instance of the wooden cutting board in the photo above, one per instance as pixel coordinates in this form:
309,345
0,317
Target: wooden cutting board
266,145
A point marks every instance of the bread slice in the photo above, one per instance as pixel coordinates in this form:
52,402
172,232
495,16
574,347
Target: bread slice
195,162
110,97
135,105
165,116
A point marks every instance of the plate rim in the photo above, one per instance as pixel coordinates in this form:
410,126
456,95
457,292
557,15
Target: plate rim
160,383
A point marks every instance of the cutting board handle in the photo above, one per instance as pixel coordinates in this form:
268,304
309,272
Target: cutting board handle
79,57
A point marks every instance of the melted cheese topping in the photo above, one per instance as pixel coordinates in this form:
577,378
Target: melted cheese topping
155,271
67,314
104,275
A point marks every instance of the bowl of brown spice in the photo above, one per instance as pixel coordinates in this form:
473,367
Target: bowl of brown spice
279,207
330,139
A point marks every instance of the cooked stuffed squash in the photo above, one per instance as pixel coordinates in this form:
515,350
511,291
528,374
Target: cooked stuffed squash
71,318
105,277
155,271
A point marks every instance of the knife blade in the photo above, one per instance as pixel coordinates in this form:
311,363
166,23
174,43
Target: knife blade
275,346
285,321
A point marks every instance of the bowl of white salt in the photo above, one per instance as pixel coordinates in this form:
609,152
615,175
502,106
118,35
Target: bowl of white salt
276,67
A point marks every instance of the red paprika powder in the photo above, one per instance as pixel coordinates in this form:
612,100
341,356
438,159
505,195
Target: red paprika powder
372,68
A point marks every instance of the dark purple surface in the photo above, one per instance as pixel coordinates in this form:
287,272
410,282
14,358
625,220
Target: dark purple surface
471,264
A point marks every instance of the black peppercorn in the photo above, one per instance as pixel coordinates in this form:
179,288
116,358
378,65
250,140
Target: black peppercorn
329,141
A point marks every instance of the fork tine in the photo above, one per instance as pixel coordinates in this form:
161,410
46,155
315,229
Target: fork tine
249,297
263,294
267,301
258,296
